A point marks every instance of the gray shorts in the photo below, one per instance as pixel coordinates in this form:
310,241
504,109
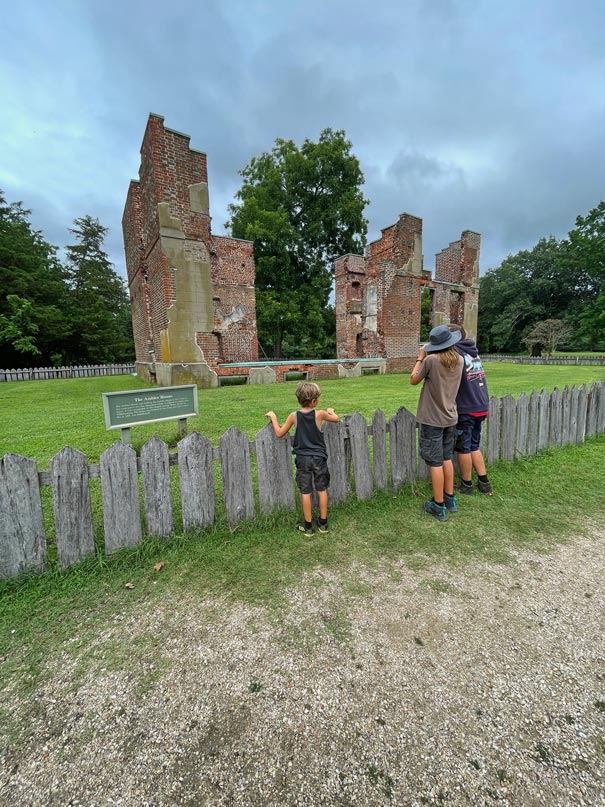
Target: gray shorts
309,470
436,444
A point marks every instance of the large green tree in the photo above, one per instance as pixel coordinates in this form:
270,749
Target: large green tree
99,304
302,207
34,320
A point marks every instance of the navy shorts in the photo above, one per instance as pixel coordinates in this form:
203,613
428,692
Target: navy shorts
468,433
309,470
436,444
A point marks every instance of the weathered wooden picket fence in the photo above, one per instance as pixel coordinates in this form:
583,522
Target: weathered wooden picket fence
515,428
81,371
592,361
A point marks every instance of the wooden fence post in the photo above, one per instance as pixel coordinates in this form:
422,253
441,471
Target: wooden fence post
555,434
574,401
532,424
120,491
402,430
274,464
601,407
338,461
508,408
566,415
493,430
522,425
237,476
379,448
196,479
22,538
544,415
155,466
360,452
582,408
71,505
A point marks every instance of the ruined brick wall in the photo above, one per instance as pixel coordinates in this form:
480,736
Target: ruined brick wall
378,296
192,293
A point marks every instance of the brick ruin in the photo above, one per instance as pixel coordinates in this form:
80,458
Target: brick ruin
378,295
192,292
193,297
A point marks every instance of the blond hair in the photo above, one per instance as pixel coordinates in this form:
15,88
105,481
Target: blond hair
307,392
449,358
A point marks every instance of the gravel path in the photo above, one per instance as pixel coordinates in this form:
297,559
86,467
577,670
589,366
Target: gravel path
412,688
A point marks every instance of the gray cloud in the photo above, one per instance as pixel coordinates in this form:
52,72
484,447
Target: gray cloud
472,115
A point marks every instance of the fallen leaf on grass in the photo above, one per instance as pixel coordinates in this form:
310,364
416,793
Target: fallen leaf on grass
158,567
128,585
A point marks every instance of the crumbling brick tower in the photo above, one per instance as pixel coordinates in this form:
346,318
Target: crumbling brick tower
192,293
378,311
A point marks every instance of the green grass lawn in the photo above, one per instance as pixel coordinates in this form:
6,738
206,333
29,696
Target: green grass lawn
39,418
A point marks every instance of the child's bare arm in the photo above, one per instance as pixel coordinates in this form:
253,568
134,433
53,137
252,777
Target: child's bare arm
281,431
415,378
328,414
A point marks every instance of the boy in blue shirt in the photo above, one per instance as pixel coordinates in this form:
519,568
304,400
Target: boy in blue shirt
472,402
309,449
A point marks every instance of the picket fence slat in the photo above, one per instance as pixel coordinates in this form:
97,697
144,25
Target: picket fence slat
601,407
566,416
156,488
237,476
544,416
555,433
379,449
493,430
120,494
532,423
522,425
22,537
274,465
196,480
402,432
360,452
508,410
71,506
338,461
582,411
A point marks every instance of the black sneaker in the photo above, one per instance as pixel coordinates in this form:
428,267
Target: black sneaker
485,487
322,527
465,490
300,527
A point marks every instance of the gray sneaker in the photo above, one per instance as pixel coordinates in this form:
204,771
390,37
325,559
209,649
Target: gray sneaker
465,490
438,511
485,487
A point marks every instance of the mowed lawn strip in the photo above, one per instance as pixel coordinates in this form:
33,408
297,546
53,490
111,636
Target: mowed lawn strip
39,418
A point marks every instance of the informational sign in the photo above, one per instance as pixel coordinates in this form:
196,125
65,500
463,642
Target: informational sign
140,406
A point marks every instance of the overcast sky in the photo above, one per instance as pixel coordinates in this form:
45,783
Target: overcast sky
472,114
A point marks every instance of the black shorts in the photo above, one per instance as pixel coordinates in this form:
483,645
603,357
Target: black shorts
436,444
309,470
468,433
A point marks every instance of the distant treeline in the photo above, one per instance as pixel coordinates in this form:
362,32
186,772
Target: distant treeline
54,312
556,280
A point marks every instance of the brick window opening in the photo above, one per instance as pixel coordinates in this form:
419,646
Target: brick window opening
370,370
296,375
232,380
426,312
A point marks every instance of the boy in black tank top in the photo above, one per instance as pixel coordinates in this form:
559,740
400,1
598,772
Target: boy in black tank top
309,449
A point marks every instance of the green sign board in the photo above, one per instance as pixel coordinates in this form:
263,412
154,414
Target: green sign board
139,406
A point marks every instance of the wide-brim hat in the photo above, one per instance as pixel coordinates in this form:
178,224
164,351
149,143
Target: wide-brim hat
440,338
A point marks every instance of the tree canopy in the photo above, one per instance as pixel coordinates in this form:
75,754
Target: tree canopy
555,280
51,313
302,207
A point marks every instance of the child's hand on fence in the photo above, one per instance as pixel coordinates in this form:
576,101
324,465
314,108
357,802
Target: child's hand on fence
330,411
270,415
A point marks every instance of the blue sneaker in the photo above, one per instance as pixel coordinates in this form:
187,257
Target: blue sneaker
451,503
436,510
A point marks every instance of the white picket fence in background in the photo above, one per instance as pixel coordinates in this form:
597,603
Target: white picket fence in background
515,428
